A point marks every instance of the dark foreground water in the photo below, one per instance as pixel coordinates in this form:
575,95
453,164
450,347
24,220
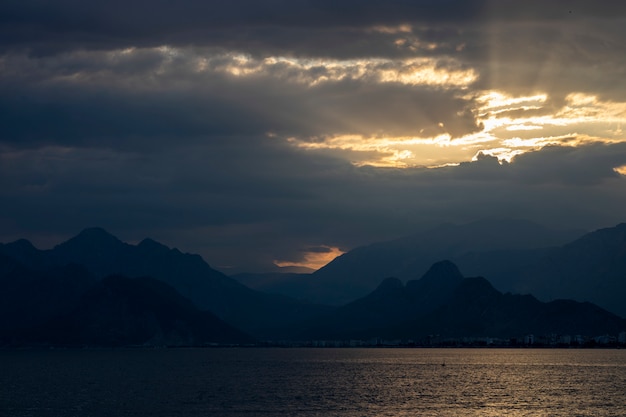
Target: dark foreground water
313,382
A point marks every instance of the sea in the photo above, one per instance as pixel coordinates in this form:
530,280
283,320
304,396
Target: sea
347,382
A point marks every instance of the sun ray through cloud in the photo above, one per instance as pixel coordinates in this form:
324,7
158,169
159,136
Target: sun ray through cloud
285,123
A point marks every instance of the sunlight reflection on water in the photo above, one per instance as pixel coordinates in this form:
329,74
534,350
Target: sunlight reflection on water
314,382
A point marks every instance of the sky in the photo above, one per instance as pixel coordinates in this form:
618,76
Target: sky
271,133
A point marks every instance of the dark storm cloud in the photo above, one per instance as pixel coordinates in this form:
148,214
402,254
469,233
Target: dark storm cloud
319,249
522,45
237,206
171,119
111,24
147,99
562,165
118,119
543,56
50,26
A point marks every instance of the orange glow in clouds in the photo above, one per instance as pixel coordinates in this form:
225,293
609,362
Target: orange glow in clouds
621,170
313,259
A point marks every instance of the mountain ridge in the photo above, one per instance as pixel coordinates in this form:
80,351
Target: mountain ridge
358,271
122,311
69,308
442,301
470,307
103,254
590,267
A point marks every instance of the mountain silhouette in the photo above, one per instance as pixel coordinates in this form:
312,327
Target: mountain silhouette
510,245
121,311
95,289
102,254
443,302
478,309
66,305
592,268
30,297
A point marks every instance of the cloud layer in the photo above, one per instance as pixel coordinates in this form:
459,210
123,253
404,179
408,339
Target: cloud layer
260,132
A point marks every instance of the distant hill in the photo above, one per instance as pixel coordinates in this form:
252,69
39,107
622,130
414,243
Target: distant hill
31,297
443,302
495,246
64,307
592,268
289,284
120,311
102,254
96,289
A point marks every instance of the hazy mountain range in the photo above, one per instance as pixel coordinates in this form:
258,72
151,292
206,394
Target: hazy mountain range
443,302
514,255
504,243
97,290
67,306
102,254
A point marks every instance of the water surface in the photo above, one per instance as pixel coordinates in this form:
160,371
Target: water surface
313,382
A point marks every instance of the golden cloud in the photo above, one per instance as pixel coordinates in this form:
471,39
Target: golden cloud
313,259
582,120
